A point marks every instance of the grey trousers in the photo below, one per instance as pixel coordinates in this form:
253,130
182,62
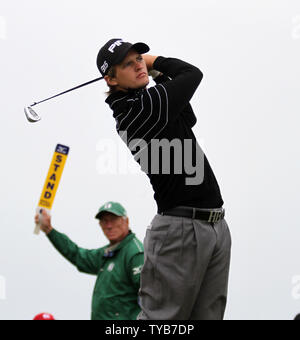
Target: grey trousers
186,269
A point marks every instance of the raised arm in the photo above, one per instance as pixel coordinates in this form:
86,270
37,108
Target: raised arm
87,261
160,105
175,87
185,79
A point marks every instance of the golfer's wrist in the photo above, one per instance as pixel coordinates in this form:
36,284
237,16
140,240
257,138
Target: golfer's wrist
48,230
149,59
154,74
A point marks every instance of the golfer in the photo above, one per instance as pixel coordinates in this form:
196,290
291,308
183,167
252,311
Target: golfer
188,244
117,265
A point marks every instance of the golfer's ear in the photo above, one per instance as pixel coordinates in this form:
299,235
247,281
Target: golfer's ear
110,81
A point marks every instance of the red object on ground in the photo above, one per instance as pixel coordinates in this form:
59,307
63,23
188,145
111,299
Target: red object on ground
44,317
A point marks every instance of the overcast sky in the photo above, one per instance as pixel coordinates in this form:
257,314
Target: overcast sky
248,108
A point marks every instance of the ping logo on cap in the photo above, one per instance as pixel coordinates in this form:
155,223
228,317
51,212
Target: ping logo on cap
114,45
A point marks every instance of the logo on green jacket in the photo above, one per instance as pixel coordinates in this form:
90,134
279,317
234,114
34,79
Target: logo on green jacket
137,270
111,267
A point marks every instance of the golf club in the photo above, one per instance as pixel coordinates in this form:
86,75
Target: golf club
33,117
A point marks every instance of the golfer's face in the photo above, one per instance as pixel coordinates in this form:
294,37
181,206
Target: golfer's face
132,73
115,228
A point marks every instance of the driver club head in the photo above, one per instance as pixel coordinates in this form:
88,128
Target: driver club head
31,115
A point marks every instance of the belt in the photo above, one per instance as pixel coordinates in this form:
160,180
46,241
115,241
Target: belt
197,214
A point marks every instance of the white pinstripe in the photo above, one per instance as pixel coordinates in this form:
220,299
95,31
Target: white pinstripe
138,246
133,100
151,114
167,116
145,120
130,111
117,101
167,110
119,115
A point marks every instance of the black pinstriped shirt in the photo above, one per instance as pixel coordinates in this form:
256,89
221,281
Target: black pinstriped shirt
180,173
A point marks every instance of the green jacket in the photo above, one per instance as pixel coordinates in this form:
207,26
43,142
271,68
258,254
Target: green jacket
118,277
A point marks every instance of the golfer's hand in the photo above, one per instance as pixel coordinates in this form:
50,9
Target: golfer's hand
149,60
154,74
46,226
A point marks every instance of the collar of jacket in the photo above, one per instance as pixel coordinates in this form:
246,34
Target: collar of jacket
116,96
126,240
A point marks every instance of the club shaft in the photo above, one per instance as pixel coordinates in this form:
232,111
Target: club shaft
74,88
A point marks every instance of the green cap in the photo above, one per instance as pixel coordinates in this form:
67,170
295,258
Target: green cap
113,208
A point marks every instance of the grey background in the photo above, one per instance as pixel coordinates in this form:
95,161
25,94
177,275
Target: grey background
248,122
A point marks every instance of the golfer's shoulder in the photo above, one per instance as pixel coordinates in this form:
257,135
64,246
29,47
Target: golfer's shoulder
115,99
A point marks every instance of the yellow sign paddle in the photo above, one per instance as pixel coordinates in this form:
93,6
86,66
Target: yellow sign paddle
52,181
